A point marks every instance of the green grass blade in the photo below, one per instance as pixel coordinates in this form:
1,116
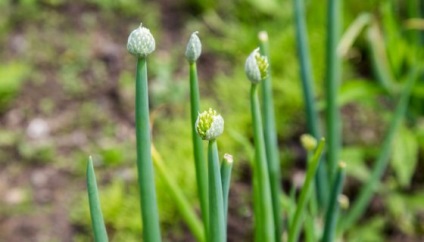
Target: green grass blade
146,181
271,143
226,167
321,181
216,230
379,59
261,170
199,157
100,233
295,224
380,165
332,81
352,33
333,205
187,212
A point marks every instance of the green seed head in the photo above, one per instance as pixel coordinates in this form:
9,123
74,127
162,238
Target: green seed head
209,124
194,48
309,143
256,66
141,42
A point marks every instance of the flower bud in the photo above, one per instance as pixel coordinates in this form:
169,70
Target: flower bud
343,201
141,42
194,48
309,143
256,67
209,124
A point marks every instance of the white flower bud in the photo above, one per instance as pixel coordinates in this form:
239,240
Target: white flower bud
256,67
308,142
209,124
194,48
141,42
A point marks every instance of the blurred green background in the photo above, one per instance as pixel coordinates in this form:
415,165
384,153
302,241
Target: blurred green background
67,91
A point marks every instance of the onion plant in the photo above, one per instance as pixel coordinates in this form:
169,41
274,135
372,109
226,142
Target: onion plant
256,68
140,44
210,125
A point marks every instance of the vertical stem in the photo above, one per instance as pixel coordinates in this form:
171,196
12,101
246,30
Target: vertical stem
271,143
226,167
321,181
265,201
146,181
332,81
216,228
366,192
333,205
295,224
199,160
100,233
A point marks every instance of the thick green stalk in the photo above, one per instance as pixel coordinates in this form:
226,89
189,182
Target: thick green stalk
271,143
332,81
216,230
226,167
146,181
312,120
380,165
333,205
261,170
295,224
199,160
100,233
190,217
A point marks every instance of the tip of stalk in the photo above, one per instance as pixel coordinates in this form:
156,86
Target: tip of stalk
322,139
343,201
228,158
342,165
263,36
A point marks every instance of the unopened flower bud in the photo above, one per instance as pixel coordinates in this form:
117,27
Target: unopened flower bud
194,48
309,143
256,67
141,42
343,201
209,124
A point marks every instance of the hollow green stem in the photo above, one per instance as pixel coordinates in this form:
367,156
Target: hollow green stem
226,167
371,185
261,170
332,81
146,181
216,230
189,216
271,143
295,224
100,233
199,158
333,205
312,120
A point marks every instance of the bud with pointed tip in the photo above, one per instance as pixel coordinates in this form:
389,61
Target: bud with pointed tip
256,67
209,125
141,42
194,48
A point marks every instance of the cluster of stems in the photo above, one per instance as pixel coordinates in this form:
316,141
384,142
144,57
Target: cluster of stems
323,185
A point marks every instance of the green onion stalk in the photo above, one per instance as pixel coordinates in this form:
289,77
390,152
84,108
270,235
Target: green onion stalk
296,222
332,214
210,125
193,51
100,233
140,44
306,74
271,143
332,81
226,167
256,68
